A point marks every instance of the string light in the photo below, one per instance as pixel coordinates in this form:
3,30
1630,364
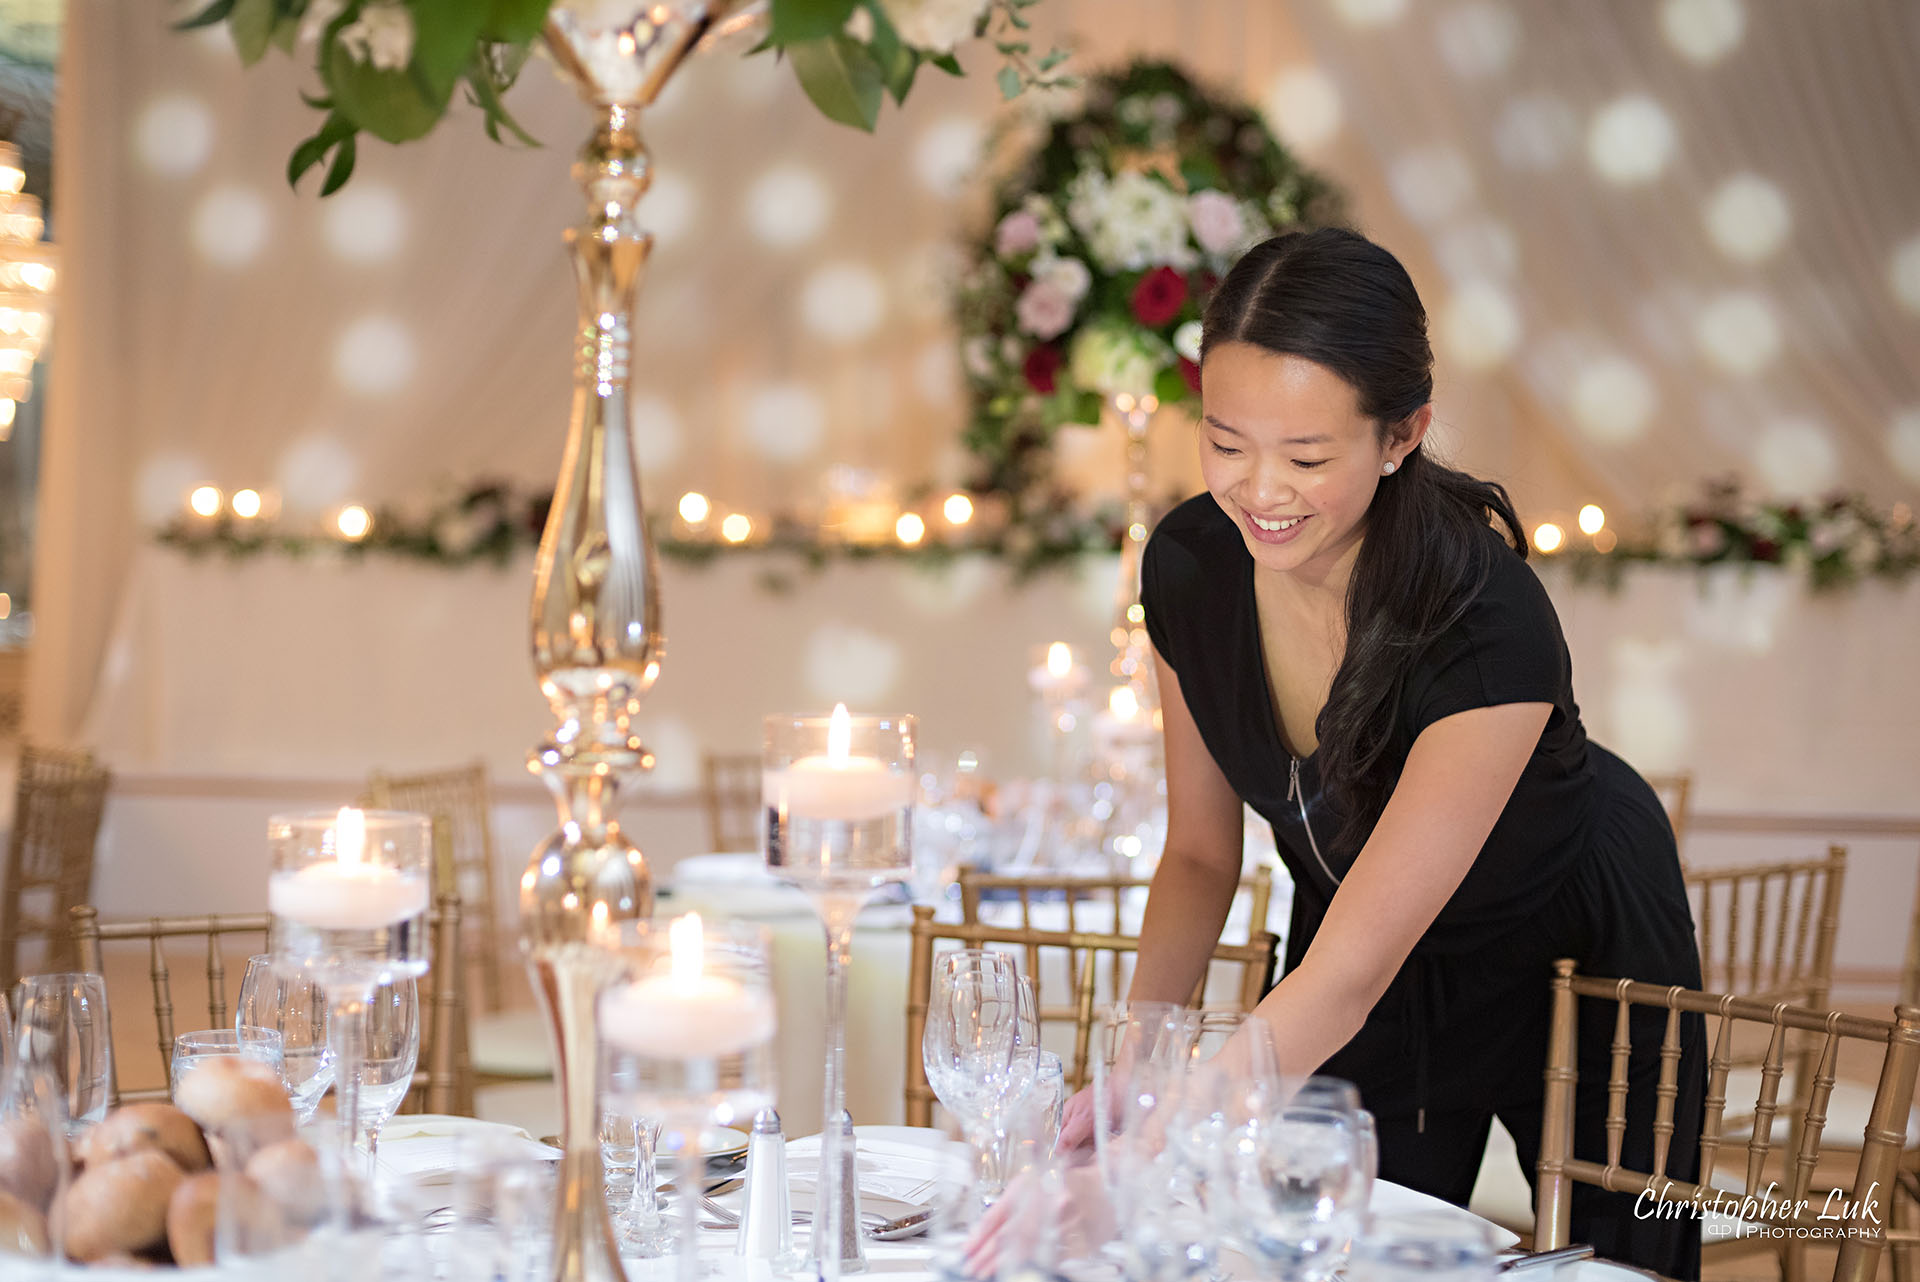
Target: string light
736,528
1605,541
1592,519
909,529
205,501
354,522
958,509
694,507
246,504
1547,537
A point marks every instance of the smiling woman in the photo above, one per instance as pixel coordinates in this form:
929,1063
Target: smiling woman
1345,644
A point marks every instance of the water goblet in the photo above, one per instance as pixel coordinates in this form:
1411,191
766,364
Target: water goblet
349,893
839,795
687,1029
392,1042
192,1050
296,1007
64,1032
980,1049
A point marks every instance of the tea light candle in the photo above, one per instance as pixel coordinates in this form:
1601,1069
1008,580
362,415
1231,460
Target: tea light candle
346,892
838,786
1059,675
686,1013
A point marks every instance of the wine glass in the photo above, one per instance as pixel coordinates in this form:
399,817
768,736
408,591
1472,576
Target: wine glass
839,794
190,1050
1291,1192
296,1007
63,1031
33,1136
980,1048
392,1053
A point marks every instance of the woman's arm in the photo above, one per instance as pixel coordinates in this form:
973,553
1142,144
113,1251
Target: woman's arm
1200,868
1457,780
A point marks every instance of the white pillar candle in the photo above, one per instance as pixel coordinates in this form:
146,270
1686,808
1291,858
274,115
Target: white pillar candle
686,1013
838,786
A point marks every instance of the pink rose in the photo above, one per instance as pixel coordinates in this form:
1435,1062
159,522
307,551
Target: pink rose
1218,224
1018,233
1044,310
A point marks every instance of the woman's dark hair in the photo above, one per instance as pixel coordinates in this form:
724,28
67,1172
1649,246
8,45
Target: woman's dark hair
1335,298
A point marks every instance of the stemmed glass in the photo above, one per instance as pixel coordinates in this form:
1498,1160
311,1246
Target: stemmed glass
191,1050
627,1147
839,795
1290,1190
392,1053
687,1032
296,1008
980,1049
63,1032
349,894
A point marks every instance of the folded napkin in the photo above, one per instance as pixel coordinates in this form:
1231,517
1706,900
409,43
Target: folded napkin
428,1147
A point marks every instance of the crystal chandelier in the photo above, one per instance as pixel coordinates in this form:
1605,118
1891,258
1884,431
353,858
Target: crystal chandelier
26,285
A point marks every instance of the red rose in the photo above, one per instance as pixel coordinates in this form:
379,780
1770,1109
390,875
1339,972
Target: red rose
1158,297
1041,365
1764,550
1190,372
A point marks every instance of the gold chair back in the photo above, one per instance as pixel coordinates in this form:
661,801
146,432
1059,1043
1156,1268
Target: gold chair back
443,1086
58,803
464,861
1675,791
1768,930
730,791
1083,952
1896,1042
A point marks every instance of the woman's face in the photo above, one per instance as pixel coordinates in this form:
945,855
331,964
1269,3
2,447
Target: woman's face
1287,454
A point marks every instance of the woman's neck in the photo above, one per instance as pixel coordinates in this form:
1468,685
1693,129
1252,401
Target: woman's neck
1317,587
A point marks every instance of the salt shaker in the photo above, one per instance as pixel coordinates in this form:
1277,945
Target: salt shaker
766,1207
853,1248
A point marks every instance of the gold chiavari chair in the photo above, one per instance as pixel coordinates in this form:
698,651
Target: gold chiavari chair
1675,791
1896,1042
730,791
1104,900
444,1085
1254,958
58,803
464,863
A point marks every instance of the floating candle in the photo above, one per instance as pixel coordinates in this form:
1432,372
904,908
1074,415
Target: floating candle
686,1013
346,892
838,786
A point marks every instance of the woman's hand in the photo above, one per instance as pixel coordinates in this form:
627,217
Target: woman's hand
1073,1202
1077,1124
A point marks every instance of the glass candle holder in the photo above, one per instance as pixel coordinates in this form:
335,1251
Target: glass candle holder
687,1029
349,893
839,795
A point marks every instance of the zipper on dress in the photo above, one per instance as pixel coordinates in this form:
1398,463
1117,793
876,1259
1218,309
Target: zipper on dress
1299,797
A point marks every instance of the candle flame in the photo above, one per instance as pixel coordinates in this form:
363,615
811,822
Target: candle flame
686,942
1123,703
1059,659
350,835
839,736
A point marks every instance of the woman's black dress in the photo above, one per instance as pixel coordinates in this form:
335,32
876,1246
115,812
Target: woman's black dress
1580,864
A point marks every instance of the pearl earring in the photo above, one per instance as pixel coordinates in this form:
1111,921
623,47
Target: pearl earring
1386,468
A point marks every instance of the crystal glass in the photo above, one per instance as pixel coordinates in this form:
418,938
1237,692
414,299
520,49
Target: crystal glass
839,795
296,1008
33,1136
1289,1191
349,893
687,1033
1136,1046
980,1049
1367,1170
627,1147
301,1210
497,1214
1431,1245
392,1053
1032,1127
63,1031
190,1050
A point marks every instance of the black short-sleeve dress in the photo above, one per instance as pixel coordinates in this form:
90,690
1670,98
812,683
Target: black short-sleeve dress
1580,864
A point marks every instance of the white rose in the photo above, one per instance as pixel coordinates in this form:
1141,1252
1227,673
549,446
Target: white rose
1068,275
1186,341
382,35
1115,359
938,25
1218,223
1130,223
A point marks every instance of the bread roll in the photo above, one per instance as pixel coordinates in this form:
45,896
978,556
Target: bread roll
240,1101
289,1174
28,1169
118,1206
134,1127
23,1230
192,1213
